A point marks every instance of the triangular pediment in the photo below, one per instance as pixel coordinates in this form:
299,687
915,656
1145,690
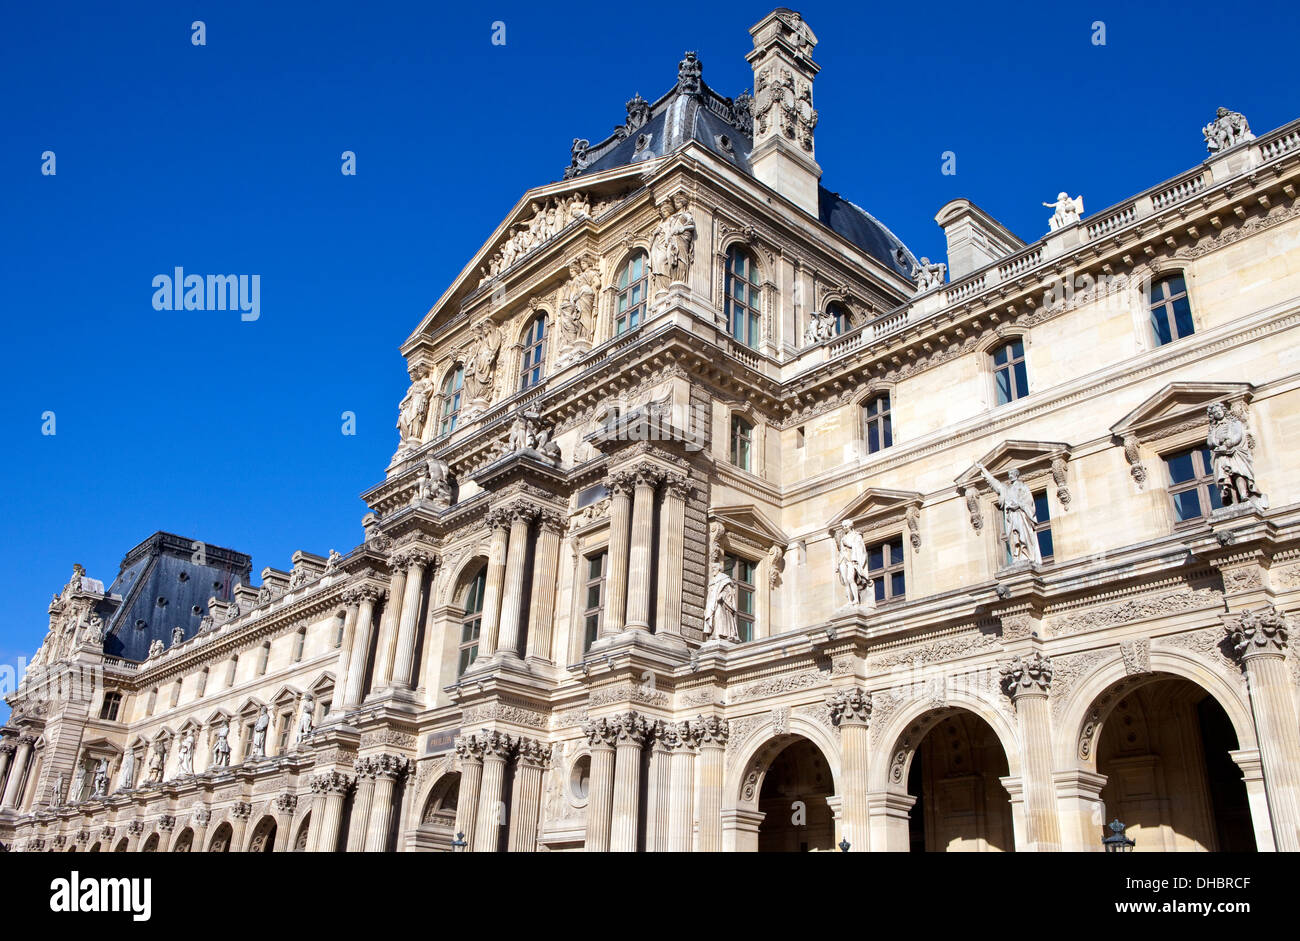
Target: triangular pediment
100,747
876,503
1179,402
749,523
1024,456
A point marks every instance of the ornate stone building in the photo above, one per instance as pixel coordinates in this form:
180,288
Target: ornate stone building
719,521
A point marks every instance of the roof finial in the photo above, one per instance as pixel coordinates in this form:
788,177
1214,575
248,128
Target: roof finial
688,74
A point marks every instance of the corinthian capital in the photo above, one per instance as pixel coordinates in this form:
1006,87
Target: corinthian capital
1262,631
331,782
533,753
498,744
498,518
711,730
677,485
410,558
632,727
622,481
1027,675
601,732
850,706
469,748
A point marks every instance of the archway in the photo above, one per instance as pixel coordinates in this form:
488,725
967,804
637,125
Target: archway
954,764
184,842
151,844
96,848
122,845
795,800
438,819
221,839
263,840
1164,747
300,842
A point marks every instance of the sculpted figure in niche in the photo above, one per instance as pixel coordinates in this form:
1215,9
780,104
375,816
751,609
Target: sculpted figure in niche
578,303
851,566
681,249
821,327
1067,211
720,606
157,759
186,754
414,409
1234,466
259,733
305,716
127,779
101,779
221,747
928,275
480,364
434,485
1019,517
660,251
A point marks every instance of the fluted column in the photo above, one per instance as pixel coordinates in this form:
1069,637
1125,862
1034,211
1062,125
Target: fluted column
330,788
713,733
681,794
524,816
416,562
512,598
1259,640
469,752
641,550
620,520
659,787
1027,681
387,646
352,599
359,651
546,563
388,769
632,729
362,801
286,805
239,825
672,555
851,711
7,750
166,829
602,736
498,747
13,787
499,521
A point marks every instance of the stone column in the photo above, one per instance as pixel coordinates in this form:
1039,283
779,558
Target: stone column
1259,640
851,711
499,522
681,795
362,800
713,733
672,555
286,805
632,729
360,647
512,599
7,750
416,562
602,736
546,562
663,740
890,814
1026,680
469,752
330,788
387,646
641,550
498,747
239,825
524,817
1079,808
13,787
352,598
166,827
620,489
388,770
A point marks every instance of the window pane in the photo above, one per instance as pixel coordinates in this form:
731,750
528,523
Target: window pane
876,557
889,431
1187,505
896,585
1003,377
1040,507
1183,317
1000,355
1216,499
880,589
1175,286
873,438
1022,380
1181,468
1160,326
1018,349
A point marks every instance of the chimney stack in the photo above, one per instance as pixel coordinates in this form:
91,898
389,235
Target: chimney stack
784,117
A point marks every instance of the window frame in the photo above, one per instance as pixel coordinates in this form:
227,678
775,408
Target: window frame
750,308
453,385
1166,308
736,438
635,313
883,576
843,318
1015,377
467,616
1202,482
532,355
730,563
599,583
881,421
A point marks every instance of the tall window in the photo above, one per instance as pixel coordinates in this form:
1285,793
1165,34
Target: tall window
841,315
1191,484
742,570
879,426
1043,529
630,308
742,443
1009,373
534,359
472,623
286,726
593,615
451,387
743,297
112,702
1171,313
885,566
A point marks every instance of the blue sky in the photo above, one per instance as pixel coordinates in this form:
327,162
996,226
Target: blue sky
225,158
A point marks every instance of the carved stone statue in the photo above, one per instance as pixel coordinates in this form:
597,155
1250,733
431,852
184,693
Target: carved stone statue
101,779
305,716
332,563
185,755
1067,211
929,275
720,606
659,240
547,221
1234,466
481,363
207,624
578,304
259,733
60,791
672,244
851,566
157,761
126,780
95,629
221,747
1019,516
783,104
821,327
1228,129
434,485
414,409
156,648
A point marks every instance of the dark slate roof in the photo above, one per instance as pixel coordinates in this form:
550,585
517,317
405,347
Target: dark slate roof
162,587
692,111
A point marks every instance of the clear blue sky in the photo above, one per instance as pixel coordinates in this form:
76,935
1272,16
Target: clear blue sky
225,158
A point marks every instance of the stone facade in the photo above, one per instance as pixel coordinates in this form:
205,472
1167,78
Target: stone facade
602,600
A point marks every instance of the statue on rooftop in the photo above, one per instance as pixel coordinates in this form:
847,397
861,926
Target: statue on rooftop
1228,129
414,408
1067,211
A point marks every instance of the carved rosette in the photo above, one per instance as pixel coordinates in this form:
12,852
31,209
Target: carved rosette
601,733
1259,632
1027,676
329,782
850,706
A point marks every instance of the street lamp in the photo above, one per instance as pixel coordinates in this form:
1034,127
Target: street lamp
1117,842
458,845
844,846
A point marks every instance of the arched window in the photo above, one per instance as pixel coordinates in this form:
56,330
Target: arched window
533,363
630,307
878,425
742,443
841,315
743,297
1171,312
1009,375
451,387
472,623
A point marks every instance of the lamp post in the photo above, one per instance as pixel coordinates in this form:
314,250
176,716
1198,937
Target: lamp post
844,846
1117,842
459,843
